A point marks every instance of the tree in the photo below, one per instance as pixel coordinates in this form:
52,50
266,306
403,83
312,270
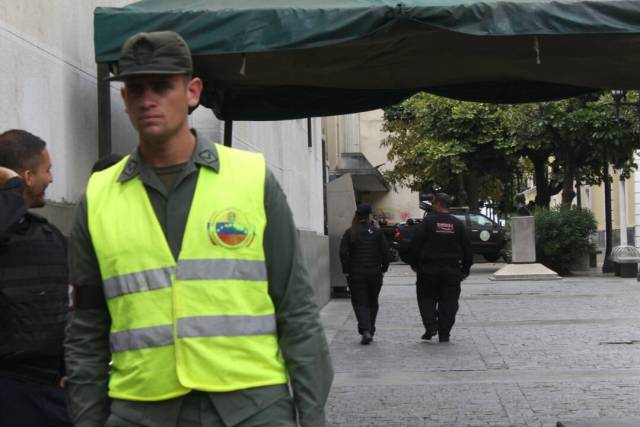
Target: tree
451,144
474,150
570,141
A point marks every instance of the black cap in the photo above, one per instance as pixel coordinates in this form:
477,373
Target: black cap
363,210
443,198
161,52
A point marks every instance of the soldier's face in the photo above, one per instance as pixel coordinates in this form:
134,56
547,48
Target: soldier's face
158,105
36,180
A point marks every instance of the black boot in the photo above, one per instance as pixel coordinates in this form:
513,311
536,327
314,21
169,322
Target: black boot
366,338
429,332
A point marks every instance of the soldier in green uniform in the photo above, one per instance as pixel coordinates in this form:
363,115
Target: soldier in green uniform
203,324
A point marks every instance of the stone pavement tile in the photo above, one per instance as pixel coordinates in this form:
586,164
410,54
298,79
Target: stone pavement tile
547,308
334,316
507,404
567,346
402,313
583,400
523,354
403,349
416,406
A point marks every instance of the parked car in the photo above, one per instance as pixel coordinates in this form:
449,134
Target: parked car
487,236
392,234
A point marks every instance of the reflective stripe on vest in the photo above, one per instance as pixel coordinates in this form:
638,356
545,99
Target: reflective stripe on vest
192,269
226,326
205,321
209,326
136,339
221,269
139,281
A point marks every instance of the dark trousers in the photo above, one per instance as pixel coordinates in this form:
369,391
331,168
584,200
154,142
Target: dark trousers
196,410
438,291
365,289
32,405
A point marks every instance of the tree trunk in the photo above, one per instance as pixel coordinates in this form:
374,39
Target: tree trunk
463,197
471,184
543,198
569,176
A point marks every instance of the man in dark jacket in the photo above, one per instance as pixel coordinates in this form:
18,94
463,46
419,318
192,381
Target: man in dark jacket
440,252
33,289
364,254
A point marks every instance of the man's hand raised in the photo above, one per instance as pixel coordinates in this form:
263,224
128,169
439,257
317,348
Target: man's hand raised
5,175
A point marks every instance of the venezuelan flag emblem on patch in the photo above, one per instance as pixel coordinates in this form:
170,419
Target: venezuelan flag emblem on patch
230,229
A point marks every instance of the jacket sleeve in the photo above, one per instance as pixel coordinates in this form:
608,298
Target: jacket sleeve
384,252
300,334
467,252
345,253
12,205
416,244
86,343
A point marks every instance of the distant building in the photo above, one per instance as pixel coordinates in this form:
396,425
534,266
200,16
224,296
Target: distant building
353,147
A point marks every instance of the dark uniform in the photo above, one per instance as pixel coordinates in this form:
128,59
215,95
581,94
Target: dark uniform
33,308
364,261
440,252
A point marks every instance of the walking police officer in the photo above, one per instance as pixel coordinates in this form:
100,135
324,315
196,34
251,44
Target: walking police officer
364,255
440,252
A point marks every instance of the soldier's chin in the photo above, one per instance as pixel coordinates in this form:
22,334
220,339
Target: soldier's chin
39,202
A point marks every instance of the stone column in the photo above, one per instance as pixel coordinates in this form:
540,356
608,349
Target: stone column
523,240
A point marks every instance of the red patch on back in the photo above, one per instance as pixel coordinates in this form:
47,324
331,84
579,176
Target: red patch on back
444,226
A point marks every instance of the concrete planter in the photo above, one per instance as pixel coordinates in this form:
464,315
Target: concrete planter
582,263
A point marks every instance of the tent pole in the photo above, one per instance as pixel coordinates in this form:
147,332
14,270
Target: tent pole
228,132
104,110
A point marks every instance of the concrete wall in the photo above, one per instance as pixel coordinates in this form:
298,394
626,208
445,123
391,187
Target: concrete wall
315,250
332,141
48,84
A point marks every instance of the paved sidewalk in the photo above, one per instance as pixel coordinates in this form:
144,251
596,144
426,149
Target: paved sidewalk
521,354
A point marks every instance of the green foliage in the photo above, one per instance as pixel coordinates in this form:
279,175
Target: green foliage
459,146
478,151
574,137
562,236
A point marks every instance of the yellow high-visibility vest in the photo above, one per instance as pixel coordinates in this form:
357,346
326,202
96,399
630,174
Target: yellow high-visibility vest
203,322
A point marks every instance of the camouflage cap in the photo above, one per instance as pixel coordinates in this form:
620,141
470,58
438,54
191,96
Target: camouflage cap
161,52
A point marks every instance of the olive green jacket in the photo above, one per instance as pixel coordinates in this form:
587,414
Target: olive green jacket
300,335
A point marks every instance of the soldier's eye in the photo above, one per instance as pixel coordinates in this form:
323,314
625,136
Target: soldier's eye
161,86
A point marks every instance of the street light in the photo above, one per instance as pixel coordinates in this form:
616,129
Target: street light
619,99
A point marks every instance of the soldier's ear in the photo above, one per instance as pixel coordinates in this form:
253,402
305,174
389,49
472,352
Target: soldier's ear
27,177
123,93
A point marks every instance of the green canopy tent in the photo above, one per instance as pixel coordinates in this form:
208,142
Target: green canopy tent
286,59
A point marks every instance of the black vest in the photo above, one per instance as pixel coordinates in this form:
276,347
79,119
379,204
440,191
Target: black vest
33,300
366,255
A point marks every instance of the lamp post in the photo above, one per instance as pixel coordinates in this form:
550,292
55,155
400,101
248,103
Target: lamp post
607,265
620,99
